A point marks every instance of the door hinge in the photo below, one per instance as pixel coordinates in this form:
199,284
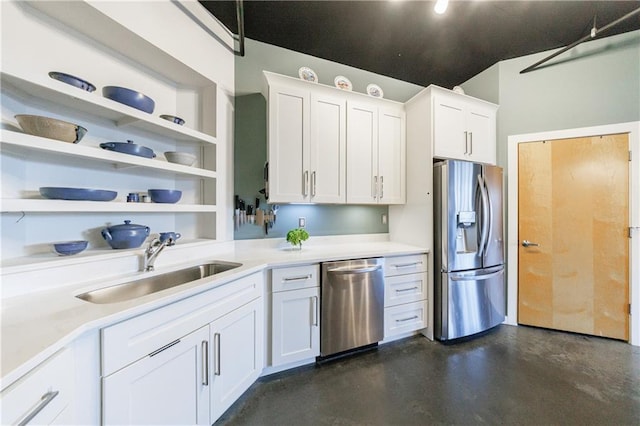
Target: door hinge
629,155
629,308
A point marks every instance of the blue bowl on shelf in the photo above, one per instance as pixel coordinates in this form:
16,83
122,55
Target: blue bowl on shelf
129,97
77,194
68,248
72,80
173,119
129,147
170,196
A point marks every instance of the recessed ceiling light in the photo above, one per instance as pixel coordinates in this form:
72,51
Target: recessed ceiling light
441,6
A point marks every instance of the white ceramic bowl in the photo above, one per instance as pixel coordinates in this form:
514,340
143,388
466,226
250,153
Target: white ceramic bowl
183,158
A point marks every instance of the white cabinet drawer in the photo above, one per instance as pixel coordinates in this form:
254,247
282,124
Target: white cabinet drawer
405,318
405,288
295,277
130,340
402,265
43,396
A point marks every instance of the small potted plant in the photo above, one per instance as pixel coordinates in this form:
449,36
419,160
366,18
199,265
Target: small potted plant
296,236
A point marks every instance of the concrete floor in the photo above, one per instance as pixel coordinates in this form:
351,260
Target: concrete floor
513,376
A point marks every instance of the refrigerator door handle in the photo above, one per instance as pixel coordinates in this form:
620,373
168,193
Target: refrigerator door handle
463,277
484,222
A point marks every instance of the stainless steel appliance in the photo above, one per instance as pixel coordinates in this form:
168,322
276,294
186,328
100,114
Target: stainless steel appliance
469,250
351,305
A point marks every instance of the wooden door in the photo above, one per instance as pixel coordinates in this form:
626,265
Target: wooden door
574,202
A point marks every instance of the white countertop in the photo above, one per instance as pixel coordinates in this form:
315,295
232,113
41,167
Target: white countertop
36,325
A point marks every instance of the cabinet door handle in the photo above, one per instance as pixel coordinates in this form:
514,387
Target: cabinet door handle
466,142
470,143
216,348
315,311
44,401
205,363
165,347
305,183
313,183
374,188
381,187
298,278
407,319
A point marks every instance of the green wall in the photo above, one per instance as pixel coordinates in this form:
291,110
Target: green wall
250,142
596,83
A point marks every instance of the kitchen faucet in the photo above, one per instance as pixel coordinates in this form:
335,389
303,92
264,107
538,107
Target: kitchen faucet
152,252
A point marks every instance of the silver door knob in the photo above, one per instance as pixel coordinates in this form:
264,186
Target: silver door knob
526,243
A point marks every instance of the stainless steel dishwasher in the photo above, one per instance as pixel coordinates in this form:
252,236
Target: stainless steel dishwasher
351,305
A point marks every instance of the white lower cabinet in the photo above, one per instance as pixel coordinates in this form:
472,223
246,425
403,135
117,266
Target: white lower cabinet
169,386
405,295
187,362
44,396
237,356
295,316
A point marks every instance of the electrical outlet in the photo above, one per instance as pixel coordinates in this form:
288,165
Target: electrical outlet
302,222
384,219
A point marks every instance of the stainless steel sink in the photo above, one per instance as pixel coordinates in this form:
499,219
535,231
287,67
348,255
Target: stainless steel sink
141,287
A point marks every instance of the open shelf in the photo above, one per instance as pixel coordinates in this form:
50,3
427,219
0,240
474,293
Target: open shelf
88,19
23,144
68,206
93,103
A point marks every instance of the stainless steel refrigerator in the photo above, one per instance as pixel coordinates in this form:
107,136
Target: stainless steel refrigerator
469,249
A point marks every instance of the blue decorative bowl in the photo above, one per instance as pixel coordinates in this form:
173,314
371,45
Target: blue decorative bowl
129,147
77,194
72,80
129,97
173,119
165,195
68,248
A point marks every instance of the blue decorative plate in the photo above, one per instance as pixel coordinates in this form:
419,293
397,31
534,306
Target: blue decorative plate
78,194
72,80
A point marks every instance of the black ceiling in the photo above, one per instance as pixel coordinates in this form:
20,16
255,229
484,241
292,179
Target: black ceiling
406,40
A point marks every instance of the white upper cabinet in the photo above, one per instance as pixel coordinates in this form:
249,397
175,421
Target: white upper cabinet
375,154
327,160
288,121
464,128
307,164
331,146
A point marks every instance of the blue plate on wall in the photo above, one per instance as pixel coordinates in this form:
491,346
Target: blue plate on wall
77,194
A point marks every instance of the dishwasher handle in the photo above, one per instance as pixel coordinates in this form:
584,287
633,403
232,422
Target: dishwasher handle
349,270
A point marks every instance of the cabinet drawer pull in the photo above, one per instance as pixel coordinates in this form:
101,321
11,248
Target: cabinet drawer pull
216,348
205,363
406,265
381,187
408,319
298,278
401,290
470,143
44,401
167,346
